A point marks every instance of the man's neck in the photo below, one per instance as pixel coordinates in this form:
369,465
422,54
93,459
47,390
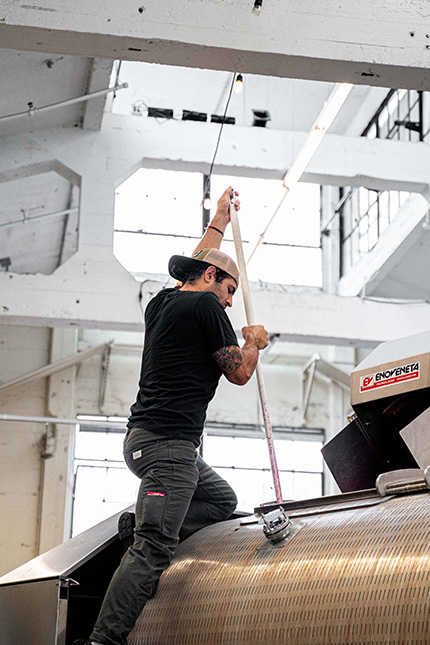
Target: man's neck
198,285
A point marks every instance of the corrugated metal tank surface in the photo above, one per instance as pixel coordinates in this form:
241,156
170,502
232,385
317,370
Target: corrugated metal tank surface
353,573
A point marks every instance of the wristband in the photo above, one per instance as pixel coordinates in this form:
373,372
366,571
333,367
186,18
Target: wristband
216,229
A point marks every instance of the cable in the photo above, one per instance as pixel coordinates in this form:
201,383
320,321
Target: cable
220,133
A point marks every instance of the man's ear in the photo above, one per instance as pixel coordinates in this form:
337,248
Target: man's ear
210,273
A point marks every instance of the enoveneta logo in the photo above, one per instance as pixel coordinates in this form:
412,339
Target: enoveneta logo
392,376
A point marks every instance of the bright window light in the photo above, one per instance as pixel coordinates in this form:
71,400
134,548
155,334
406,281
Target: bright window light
244,463
105,486
167,207
165,202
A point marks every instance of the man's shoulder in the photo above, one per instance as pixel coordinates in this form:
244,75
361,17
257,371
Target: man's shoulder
162,294
209,299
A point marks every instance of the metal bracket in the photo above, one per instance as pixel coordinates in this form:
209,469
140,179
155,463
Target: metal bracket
104,374
276,525
48,441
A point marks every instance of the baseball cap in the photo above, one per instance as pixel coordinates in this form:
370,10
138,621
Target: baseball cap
179,265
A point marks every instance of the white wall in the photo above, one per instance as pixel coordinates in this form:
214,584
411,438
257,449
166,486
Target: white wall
22,349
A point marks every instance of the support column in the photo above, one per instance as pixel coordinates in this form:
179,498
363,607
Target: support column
330,238
57,453
96,212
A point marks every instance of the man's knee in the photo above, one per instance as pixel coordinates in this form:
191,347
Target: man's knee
230,503
233,503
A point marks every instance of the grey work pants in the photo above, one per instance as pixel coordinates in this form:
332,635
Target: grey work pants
178,495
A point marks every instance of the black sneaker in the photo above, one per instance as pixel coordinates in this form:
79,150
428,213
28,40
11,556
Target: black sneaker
126,525
81,641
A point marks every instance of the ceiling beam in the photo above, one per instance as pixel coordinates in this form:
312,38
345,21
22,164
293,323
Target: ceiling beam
403,233
370,43
127,143
99,73
92,291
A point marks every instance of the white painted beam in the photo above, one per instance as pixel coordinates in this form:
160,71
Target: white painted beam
93,290
99,74
307,316
57,480
127,143
90,290
94,301
375,266
377,43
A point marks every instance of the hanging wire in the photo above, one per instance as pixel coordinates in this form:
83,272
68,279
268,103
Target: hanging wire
208,176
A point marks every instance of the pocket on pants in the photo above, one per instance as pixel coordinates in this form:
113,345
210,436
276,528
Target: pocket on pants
153,497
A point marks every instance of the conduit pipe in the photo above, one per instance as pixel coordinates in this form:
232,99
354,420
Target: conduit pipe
323,122
53,368
57,421
26,220
33,111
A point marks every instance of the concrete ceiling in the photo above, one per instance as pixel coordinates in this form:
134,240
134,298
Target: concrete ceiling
41,79
292,104
39,245
42,245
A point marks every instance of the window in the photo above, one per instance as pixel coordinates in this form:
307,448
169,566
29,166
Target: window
104,486
158,213
244,463
365,214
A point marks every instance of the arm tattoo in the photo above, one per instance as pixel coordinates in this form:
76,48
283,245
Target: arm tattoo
229,359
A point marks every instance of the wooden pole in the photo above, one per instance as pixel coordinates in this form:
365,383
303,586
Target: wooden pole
250,319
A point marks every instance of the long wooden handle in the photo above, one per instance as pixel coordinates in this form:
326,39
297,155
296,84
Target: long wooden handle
250,319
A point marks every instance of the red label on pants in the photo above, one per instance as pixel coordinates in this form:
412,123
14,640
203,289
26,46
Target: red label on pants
153,492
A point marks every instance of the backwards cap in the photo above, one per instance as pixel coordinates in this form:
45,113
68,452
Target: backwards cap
180,265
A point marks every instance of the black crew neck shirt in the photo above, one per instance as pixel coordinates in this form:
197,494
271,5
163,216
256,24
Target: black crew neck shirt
179,376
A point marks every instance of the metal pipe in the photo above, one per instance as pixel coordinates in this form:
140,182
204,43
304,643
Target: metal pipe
33,111
250,318
53,368
26,220
57,421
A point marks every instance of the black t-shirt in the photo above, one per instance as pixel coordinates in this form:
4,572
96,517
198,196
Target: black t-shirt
179,375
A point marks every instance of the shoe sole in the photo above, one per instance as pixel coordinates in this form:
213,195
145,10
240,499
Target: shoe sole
126,526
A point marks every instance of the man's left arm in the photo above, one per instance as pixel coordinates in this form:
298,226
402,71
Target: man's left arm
213,236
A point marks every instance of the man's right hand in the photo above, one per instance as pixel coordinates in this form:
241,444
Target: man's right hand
223,207
238,364
256,335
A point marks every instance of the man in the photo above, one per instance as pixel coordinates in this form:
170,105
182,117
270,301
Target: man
189,344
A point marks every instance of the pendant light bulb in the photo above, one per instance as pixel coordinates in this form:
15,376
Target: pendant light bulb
207,202
257,7
238,86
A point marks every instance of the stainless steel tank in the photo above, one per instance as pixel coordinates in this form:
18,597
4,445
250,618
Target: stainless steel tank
354,570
